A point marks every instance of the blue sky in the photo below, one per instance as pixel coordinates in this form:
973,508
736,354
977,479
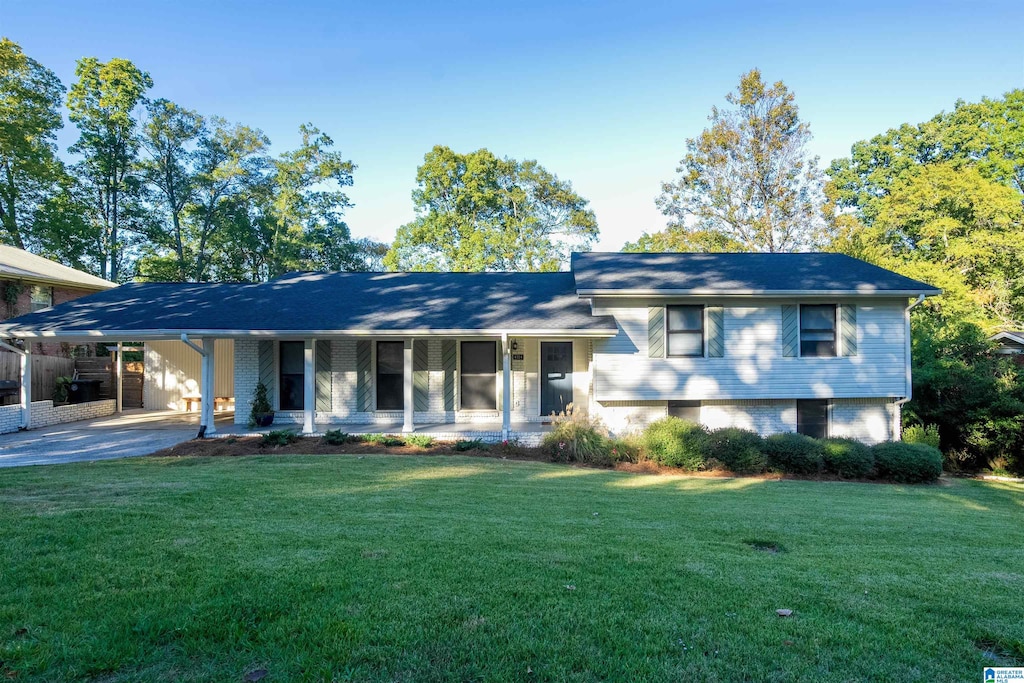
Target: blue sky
604,94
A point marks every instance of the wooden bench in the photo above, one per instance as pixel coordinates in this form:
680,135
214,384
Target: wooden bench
219,402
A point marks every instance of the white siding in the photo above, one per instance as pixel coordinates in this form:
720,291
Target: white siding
753,366
172,371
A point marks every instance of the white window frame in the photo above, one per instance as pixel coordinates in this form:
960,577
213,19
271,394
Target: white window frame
800,329
703,330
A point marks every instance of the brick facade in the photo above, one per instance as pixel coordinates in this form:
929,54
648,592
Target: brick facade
23,304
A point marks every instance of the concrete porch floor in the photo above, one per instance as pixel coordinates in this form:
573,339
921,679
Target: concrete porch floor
455,428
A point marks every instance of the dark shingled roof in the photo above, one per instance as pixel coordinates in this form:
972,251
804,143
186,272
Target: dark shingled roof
738,274
376,302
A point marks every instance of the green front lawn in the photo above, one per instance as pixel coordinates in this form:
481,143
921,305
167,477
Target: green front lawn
392,568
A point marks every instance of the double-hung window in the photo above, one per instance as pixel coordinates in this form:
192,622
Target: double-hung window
292,370
685,331
479,376
817,330
390,375
41,297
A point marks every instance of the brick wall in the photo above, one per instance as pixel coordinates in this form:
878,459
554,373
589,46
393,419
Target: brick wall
44,413
10,418
247,376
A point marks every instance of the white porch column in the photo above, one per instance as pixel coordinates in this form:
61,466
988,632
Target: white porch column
506,388
407,403
26,386
308,386
207,385
120,376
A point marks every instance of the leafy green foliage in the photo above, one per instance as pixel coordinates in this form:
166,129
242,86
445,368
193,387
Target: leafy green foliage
926,434
479,212
794,453
464,445
747,182
973,394
420,440
628,448
31,173
385,440
279,437
61,389
676,443
907,463
101,103
848,458
737,450
336,437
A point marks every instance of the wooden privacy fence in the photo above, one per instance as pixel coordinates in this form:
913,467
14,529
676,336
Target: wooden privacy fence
45,371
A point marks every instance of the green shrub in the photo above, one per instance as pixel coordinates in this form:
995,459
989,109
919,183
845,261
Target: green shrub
463,445
794,453
279,437
737,450
336,437
676,443
575,437
260,405
907,463
848,458
926,434
420,440
61,387
628,448
383,440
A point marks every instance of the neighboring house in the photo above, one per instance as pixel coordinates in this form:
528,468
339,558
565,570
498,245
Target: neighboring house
31,283
816,343
1010,342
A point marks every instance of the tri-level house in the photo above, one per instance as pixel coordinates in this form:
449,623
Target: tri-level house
814,343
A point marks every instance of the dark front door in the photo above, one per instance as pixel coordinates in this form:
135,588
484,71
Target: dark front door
555,376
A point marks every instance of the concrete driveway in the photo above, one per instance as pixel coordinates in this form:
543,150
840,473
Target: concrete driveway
133,432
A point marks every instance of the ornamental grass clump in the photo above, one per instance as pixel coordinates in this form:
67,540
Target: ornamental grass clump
576,437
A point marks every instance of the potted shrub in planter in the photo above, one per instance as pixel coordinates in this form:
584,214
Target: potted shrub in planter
60,390
261,415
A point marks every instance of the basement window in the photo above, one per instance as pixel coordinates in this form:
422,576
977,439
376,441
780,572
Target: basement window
812,418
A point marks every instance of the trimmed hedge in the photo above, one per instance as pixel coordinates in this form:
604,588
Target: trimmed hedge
737,450
676,443
794,453
848,458
907,463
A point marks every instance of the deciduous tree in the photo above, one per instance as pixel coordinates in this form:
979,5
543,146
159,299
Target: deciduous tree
748,177
102,103
478,212
31,174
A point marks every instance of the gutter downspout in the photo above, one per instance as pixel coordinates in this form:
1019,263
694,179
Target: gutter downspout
897,429
26,381
206,384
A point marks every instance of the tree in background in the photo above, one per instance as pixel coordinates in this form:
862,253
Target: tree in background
32,178
479,212
102,104
747,182
942,201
